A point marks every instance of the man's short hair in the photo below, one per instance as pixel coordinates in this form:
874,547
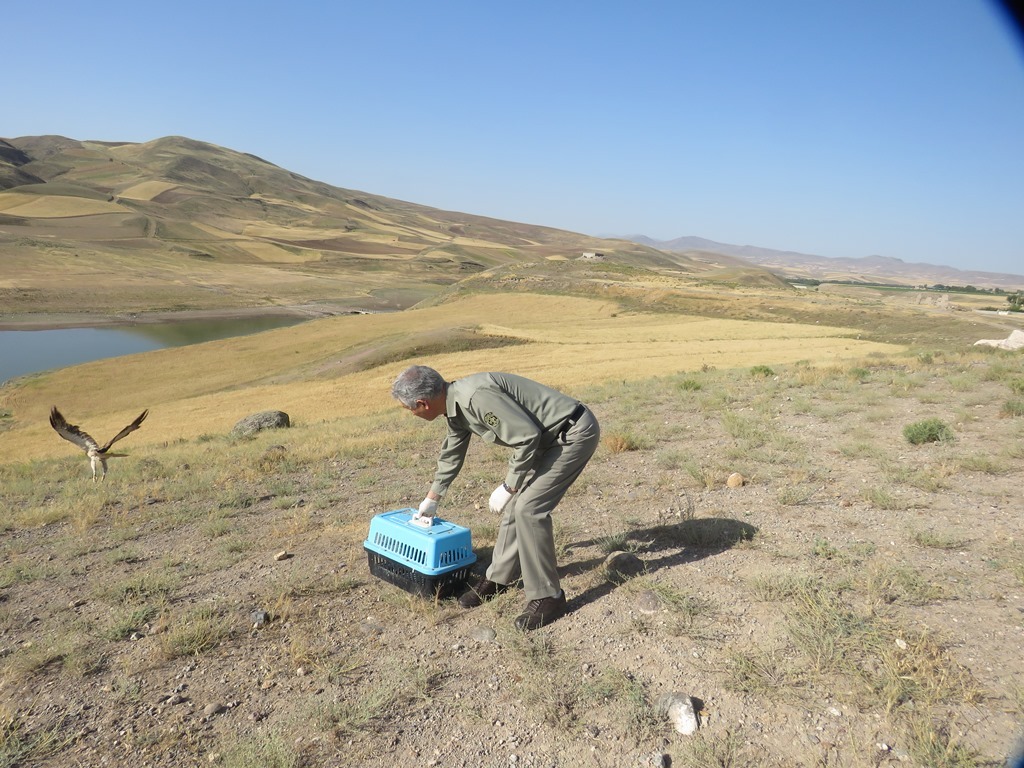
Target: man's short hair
417,382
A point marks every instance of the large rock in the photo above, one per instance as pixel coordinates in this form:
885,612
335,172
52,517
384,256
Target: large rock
257,422
679,709
1014,341
622,566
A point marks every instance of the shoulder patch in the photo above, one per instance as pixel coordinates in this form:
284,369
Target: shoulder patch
491,420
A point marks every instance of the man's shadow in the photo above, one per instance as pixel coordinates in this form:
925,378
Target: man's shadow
661,546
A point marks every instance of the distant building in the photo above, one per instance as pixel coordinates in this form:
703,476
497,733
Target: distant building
594,255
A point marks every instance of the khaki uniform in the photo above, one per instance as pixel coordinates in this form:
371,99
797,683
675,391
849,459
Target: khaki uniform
552,437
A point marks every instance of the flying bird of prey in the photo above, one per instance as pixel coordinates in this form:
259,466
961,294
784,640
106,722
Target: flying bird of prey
97,454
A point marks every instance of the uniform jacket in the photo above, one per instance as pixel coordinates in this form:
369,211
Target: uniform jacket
503,409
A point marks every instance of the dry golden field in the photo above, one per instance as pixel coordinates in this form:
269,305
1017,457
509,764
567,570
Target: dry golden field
307,370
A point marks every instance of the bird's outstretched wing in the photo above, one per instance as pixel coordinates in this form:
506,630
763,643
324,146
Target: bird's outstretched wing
70,432
126,431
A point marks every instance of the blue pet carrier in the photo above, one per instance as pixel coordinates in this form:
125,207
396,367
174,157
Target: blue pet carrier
425,556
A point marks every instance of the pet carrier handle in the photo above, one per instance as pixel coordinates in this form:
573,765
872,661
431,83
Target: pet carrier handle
421,520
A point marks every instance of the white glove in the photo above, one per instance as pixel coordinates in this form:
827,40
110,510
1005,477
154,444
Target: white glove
500,498
428,508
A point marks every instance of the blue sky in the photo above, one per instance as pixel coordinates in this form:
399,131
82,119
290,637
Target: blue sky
888,127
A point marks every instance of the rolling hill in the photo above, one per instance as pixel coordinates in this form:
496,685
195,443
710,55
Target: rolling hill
177,224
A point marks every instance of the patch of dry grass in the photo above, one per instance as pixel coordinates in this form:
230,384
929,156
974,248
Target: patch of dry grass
581,344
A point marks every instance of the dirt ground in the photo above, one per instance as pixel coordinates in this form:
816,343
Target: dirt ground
858,601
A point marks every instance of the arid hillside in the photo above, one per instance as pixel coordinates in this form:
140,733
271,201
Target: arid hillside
175,224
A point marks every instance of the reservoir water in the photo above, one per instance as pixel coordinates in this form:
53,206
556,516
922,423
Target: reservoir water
23,352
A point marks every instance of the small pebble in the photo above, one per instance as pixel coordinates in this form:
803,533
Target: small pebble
647,602
483,634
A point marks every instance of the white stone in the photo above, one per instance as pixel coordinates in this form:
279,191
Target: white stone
1014,341
680,711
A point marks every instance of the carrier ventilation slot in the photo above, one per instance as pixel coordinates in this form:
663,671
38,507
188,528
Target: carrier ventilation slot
400,548
453,556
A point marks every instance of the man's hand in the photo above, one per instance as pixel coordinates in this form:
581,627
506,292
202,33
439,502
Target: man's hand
500,498
428,508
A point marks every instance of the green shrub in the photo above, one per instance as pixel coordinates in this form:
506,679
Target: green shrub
761,370
927,431
823,548
617,542
1013,407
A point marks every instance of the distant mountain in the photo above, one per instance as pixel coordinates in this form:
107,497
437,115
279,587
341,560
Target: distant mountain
867,269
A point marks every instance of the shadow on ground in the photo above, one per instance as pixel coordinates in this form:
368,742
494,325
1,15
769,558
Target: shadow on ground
662,546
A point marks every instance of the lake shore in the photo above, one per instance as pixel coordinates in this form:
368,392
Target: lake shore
47,321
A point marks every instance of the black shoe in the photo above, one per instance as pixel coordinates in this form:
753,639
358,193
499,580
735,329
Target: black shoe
482,589
541,612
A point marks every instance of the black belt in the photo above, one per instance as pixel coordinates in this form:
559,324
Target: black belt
571,421
577,414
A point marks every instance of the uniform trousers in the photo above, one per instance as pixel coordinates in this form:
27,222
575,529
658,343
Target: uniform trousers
526,543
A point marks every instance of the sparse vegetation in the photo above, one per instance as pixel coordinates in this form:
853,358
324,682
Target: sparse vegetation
195,632
616,542
805,586
1013,407
791,495
882,497
265,748
620,442
936,540
927,431
19,746
704,476
884,585
630,699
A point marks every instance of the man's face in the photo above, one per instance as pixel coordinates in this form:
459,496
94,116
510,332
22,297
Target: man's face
424,409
